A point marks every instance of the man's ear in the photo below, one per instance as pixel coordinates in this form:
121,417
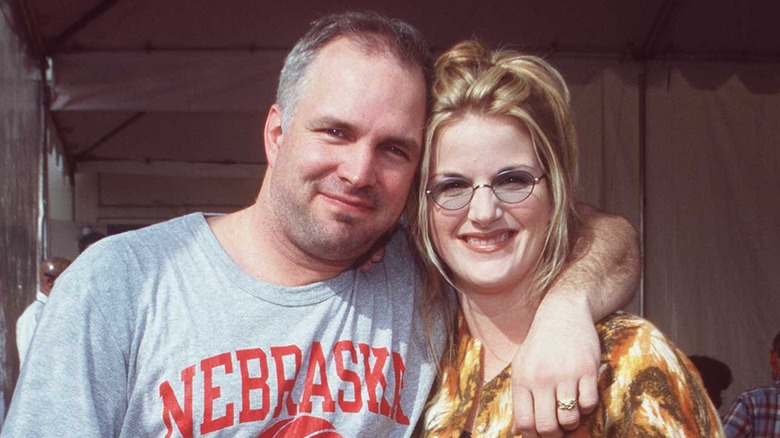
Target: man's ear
273,134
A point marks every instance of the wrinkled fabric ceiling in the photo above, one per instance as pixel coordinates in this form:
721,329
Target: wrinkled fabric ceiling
165,129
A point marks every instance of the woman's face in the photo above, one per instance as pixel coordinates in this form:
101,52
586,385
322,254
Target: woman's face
490,246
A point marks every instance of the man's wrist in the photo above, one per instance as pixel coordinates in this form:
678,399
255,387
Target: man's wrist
565,301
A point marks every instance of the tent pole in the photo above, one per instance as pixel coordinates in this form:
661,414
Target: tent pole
85,20
122,126
642,185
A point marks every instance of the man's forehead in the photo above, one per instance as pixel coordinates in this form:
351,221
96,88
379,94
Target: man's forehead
343,58
344,48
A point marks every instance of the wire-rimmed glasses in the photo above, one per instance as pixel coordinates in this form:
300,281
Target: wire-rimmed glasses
510,186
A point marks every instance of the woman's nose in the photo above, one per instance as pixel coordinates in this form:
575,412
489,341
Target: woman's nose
484,207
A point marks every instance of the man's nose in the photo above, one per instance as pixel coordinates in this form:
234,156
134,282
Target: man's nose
358,166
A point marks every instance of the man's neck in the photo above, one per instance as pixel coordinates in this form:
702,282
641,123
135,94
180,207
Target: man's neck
251,240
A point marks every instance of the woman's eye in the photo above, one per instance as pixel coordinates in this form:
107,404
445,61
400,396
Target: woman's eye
518,180
453,186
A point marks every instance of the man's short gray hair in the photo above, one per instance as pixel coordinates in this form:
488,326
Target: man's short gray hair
369,29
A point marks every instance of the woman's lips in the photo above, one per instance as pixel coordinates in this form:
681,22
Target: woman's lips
487,242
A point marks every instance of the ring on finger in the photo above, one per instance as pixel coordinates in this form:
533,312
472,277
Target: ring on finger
567,404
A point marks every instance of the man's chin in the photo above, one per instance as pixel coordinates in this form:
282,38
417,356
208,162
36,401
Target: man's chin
339,256
343,245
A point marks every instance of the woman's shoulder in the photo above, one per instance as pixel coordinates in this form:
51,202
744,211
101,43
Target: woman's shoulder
632,346
624,321
625,330
647,383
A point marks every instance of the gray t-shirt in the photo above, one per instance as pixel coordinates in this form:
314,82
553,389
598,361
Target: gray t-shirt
158,332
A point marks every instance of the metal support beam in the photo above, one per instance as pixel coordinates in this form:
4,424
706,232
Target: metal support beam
84,21
122,126
660,22
174,168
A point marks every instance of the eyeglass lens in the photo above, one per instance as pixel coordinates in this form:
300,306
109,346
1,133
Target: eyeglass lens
454,193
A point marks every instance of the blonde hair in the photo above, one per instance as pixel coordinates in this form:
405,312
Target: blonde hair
471,79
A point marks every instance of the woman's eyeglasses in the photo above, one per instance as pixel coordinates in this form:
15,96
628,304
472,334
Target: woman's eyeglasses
510,186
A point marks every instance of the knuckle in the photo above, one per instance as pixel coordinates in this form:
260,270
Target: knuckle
519,383
570,427
547,427
569,422
591,371
588,403
555,433
524,422
544,378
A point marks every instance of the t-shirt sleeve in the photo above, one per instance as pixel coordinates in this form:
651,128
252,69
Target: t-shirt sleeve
74,381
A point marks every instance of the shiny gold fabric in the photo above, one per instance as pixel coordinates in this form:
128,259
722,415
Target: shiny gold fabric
647,388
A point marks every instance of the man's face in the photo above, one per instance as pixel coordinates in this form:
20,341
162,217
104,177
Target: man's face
50,270
343,169
774,362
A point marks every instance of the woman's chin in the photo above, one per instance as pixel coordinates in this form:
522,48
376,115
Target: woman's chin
489,283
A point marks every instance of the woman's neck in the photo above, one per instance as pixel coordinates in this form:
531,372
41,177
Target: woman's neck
500,320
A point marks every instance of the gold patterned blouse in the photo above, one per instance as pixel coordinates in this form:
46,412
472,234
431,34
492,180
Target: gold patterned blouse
647,388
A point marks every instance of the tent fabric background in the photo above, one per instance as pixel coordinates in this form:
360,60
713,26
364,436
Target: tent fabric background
713,213
21,154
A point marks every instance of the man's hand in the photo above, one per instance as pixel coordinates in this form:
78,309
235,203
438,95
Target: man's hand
375,257
376,253
558,360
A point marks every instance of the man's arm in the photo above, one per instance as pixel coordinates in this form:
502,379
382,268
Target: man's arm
560,356
603,268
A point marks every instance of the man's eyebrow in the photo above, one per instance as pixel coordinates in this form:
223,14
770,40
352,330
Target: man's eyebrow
330,122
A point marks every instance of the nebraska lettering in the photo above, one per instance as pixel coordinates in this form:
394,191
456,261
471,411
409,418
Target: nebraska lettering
244,381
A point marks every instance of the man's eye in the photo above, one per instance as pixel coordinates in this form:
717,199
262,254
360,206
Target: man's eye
395,150
338,133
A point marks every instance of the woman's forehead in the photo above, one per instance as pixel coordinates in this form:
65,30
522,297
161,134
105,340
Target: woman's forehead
482,143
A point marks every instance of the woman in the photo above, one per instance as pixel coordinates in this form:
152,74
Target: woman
495,214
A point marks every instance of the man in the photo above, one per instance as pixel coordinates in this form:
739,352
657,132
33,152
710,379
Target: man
254,323
49,270
756,412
